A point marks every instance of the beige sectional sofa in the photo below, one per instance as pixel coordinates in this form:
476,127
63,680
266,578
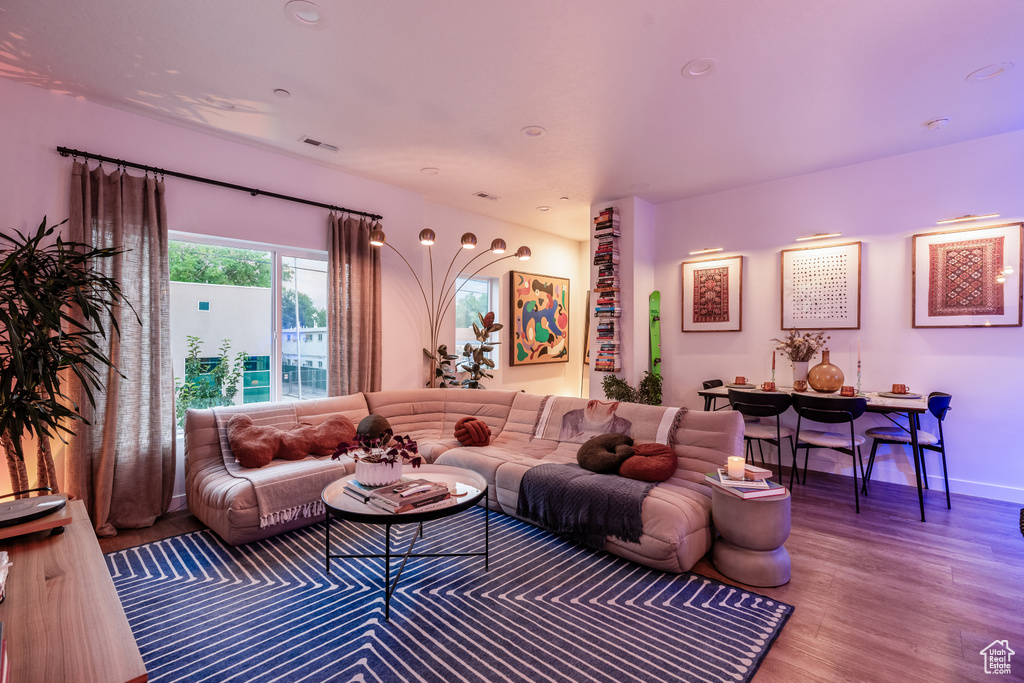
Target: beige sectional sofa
676,514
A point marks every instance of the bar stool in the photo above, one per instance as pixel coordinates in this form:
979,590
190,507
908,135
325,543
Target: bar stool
831,410
938,405
764,404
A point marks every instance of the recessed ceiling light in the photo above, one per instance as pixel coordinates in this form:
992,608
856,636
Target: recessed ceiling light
639,187
533,131
936,124
220,103
700,67
563,199
990,71
430,170
543,208
282,93
306,14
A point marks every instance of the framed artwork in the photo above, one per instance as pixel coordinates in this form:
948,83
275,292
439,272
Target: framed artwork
538,319
821,287
968,277
713,295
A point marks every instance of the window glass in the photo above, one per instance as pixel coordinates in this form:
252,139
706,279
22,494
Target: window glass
304,324
474,296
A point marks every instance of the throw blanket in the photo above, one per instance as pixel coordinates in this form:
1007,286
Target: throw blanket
576,420
284,489
583,506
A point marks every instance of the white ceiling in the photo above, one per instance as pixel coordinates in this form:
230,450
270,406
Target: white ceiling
801,85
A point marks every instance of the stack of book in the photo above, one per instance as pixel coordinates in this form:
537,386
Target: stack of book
747,487
609,306
405,496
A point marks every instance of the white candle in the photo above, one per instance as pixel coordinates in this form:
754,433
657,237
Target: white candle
735,467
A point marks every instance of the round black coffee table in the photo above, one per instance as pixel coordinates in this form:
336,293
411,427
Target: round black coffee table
469,488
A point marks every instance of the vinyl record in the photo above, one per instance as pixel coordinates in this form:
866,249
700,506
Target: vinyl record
26,509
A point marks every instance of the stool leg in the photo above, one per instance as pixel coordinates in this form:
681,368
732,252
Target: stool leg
871,460
864,485
924,469
796,466
760,451
945,476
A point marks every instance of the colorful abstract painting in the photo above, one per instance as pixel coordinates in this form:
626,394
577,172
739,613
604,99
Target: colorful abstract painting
969,277
962,277
711,295
539,319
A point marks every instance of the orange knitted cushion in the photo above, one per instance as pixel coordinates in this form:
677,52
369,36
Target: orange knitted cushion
650,462
472,431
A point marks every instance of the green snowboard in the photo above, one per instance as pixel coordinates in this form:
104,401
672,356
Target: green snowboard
655,301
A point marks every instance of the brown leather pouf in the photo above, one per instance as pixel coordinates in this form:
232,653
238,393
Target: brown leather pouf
472,431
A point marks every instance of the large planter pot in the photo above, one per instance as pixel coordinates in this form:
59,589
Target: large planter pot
378,473
825,377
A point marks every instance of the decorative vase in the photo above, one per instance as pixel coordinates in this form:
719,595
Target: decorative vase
800,370
378,473
825,377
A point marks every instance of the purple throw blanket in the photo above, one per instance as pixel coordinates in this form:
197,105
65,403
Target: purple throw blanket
583,506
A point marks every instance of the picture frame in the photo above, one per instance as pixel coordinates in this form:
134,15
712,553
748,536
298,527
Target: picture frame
959,278
713,295
821,287
538,319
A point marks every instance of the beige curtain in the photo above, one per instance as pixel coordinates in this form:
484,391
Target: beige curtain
122,463
354,317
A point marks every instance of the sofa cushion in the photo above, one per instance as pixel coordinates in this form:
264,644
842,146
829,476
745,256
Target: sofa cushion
471,431
604,453
650,462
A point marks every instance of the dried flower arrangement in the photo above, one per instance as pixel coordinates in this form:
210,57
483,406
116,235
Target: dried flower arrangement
379,448
801,347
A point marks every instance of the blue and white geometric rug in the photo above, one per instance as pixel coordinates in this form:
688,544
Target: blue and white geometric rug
545,611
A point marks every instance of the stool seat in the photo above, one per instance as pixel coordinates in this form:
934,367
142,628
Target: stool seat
901,435
829,439
765,430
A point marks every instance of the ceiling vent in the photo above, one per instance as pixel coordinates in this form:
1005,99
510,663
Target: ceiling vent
487,195
317,143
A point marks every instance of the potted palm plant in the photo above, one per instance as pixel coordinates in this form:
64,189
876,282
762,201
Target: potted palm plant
54,306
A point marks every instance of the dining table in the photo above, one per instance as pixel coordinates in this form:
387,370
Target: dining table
884,403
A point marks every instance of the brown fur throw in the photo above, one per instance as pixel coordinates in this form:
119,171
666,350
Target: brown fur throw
472,431
256,445
650,462
604,453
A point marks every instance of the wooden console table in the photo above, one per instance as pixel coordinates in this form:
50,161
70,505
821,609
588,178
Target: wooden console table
62,618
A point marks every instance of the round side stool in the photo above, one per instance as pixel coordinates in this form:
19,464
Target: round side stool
752,532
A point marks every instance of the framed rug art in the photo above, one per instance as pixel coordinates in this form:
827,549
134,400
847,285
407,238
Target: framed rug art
821,287
713,295
539,319
968,277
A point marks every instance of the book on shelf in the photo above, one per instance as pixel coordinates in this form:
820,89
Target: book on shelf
421,506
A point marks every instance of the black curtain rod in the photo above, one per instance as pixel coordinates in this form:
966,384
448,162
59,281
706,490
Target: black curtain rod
64,152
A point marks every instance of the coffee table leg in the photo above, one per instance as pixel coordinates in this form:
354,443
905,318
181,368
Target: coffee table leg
487,536
327,540
387,572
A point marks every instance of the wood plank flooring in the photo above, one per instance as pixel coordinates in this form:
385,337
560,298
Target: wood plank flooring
879,596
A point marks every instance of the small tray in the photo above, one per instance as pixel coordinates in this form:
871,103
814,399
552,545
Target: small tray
740,386
908,396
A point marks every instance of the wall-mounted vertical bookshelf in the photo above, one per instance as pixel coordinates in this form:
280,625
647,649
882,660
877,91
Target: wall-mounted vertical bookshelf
608,304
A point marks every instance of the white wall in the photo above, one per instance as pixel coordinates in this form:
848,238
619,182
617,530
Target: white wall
35,182
881,203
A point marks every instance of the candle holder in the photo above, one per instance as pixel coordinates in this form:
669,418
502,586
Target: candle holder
859,392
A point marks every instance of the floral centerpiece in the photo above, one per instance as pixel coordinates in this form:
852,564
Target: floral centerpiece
379,456
800,348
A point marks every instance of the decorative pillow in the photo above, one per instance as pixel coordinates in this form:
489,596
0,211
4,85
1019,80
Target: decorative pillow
373,426
650,462
472,431
256,445
326,436
605,452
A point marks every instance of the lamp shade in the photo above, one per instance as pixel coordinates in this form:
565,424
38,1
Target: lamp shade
426,237
524,253
498,246
377,237
469,241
